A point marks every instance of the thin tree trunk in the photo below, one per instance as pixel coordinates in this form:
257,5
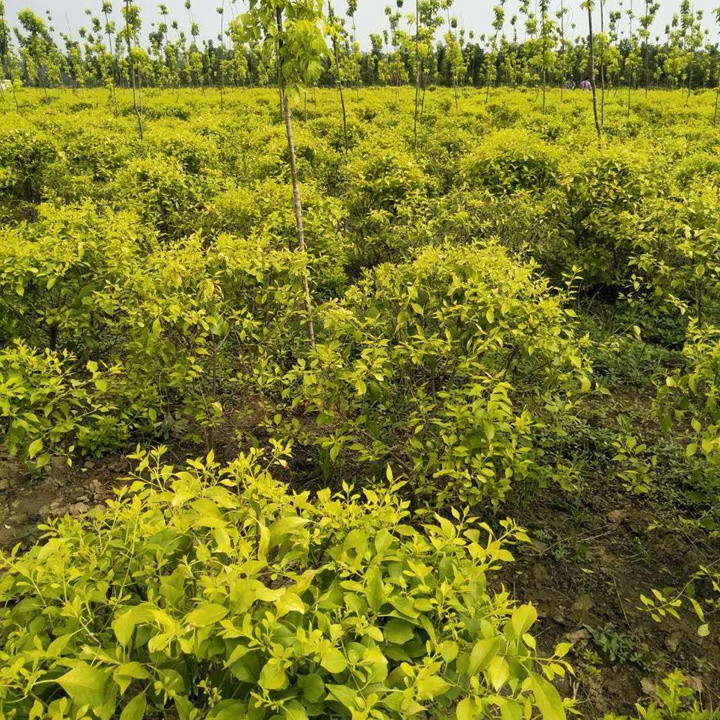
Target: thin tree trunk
222,57
133,79
562,51
296,192
417,73
591,39
543,10
336,52
602,66
631,79
647,51
43,81
113,63
717,100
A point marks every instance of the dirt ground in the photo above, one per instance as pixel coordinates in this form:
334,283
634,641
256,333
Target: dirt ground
593,554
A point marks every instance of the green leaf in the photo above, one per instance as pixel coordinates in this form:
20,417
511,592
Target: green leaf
34,448
206,614
85,685
333,661
510,709
37,711
523,619
465,709
448,650
287,525
295,711
499,672
375,591
344,695
430,687
135,709
482,653
399,631
132,670
228,710
562,649
312,686
124,625
704,630
124,674
289,602
547,698
273,676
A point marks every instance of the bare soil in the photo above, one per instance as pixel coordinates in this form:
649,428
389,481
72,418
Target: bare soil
600,550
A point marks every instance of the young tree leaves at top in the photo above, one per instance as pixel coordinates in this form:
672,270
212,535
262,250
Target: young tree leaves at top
131,16
589,5
293,31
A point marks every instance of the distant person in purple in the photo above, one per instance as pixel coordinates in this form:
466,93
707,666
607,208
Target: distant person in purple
585,85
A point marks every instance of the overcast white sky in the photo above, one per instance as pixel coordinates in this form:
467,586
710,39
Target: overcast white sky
473,14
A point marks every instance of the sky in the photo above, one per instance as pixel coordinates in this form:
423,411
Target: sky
472,14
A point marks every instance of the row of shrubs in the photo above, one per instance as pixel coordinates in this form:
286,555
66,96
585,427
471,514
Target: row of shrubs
153,292
539,184
167,304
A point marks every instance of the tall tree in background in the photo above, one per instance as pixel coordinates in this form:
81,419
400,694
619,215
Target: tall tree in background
632,61
8,62
38,50
293,30
418,70
547,31
133,23
334,30
4,43
351,11
454,53
497,24
646,22
589,5
602,44
430,22
548,49
193,57
563,55
107,9
221,38
107,60
693,37
426,25
717,75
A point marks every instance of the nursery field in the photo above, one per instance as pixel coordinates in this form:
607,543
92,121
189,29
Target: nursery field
452,452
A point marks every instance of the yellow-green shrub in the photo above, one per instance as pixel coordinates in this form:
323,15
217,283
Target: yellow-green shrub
219,593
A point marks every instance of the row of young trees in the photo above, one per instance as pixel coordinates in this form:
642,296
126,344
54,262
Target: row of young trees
422,45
